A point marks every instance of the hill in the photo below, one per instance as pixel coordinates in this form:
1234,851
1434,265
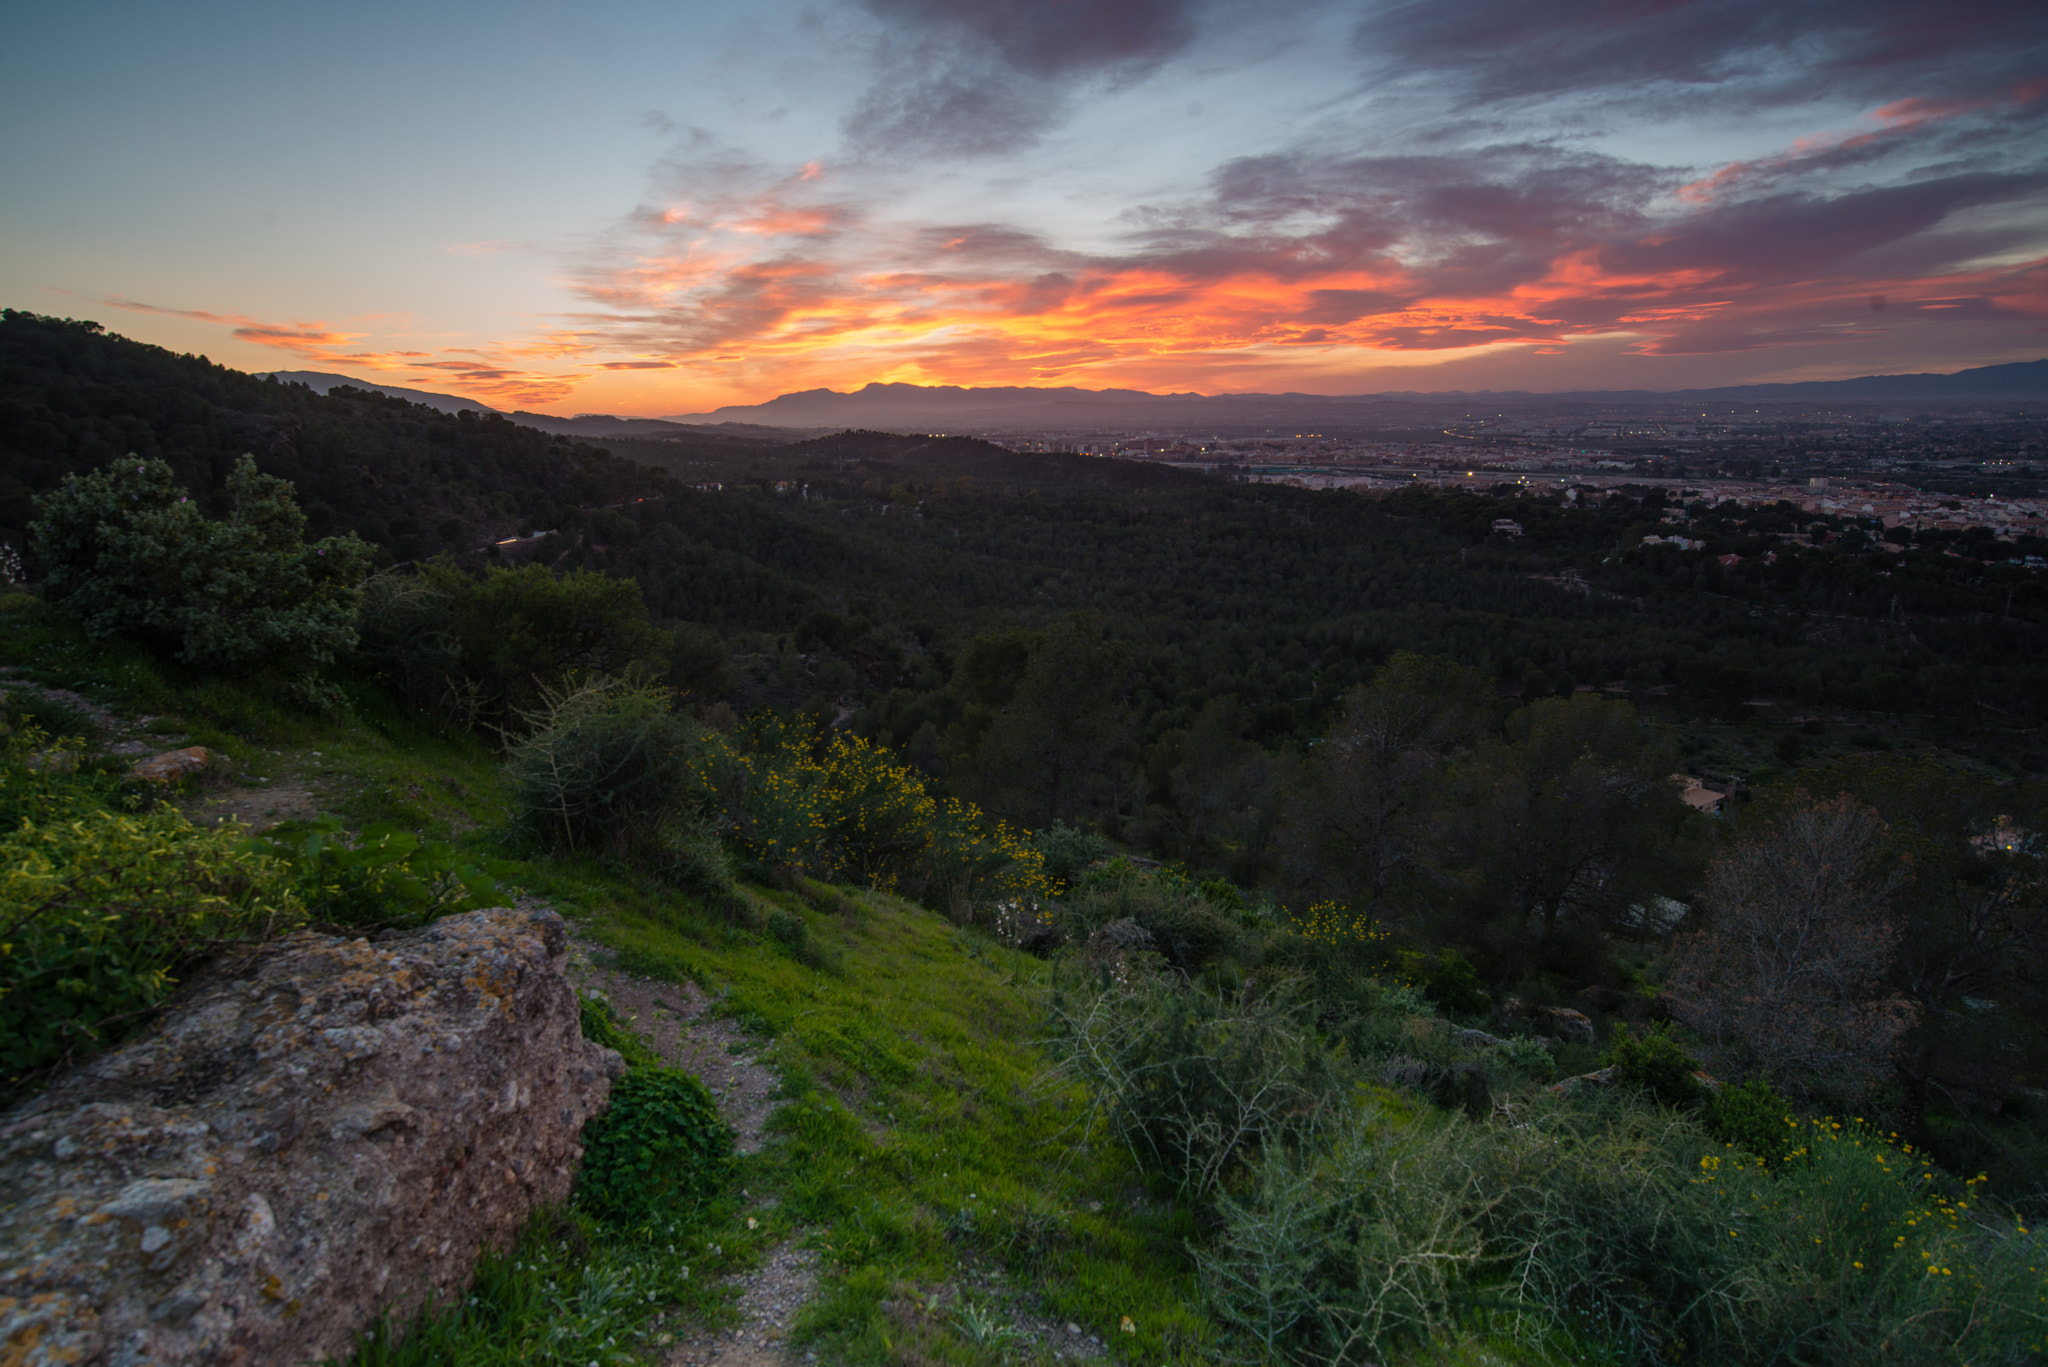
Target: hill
322,382
414,479
851,571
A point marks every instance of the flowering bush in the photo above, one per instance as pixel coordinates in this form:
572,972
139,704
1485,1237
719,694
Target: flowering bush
978,865
852,813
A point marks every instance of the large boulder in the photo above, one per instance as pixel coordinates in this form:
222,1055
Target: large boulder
327,1129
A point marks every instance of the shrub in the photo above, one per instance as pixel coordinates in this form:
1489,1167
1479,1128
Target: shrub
98,914
852,813
525,631
978,868
657,1152
1754,1117
1067,851
607,767
406,634
1188,928
1192,1082
688,854
1352,1240
1453,985
489,648
127,551
1656,1064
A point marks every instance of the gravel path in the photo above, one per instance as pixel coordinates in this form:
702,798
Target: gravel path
770,1296
676,1020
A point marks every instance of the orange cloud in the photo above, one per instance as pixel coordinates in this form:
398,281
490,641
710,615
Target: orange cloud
322,345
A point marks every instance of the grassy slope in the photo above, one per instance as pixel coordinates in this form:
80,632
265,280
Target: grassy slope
921,1147
920,1150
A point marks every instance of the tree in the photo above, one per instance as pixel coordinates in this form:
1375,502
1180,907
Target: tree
1788,978
1048,756
1212,780
1575,819
1370,811
127,551
1974,955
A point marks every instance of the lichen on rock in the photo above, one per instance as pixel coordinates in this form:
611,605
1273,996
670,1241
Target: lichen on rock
321,1131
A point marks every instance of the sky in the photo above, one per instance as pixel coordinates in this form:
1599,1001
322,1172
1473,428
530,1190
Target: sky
658,209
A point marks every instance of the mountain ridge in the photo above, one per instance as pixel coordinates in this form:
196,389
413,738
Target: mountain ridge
896,405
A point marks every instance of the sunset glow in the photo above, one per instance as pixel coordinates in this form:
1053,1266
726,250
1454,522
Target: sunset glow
1442,196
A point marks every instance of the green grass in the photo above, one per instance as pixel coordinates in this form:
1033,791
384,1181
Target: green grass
919,1146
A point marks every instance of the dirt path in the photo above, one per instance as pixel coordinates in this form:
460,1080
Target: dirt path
256,805
259,808
677,1022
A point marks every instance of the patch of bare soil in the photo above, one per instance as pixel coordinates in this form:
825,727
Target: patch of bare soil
677,1022
260,807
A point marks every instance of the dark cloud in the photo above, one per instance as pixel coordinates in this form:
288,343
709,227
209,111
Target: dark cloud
1346,306
1801,236
1487,218
1502,49
1050,38
961,78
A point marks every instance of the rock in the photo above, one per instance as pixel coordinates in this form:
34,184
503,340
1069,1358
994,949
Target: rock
1477,1039
172,765
1561,1021
1604,1078
1608,1076
321,1131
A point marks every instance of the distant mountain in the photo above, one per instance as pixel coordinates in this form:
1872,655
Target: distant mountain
935,407
2020,380
604,425
319,381
951,407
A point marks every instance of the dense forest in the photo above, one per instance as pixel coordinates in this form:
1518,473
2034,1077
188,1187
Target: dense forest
1296,695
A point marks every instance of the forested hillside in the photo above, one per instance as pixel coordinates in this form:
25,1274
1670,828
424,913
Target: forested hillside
1329,850
875,560
412,480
